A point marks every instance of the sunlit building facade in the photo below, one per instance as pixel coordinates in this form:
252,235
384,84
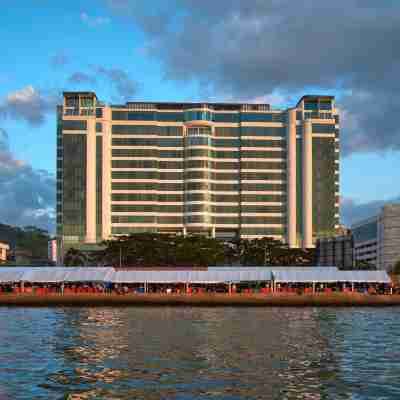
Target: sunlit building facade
219,169
377,239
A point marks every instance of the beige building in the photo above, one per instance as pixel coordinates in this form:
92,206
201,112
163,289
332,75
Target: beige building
219,169
377,239
4,248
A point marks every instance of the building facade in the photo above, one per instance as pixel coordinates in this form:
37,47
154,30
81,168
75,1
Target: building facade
4,249
336,251
219,169
377,239
52,250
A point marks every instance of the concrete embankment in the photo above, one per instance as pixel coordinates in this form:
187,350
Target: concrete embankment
200,300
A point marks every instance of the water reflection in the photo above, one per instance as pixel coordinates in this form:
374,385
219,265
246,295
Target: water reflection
199,353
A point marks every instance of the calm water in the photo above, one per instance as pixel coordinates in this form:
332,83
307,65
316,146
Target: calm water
184,353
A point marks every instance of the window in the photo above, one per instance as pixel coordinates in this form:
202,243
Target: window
170,154
170,220
99,127
196,186
224,187
262,117
190,152
262,231
87,101
134,142
263,165
169,187
74,125
226,131
134,164
311,105
170,165
197,116
166,142
263,209
134,174
226,142
198,141
225,154
99,113
226,117
263,143
170,131
263,131
125,219
263,154
226,220
263,175
195,131
134,153
133,208
133,197
134,130
255,198
323,128
170,176
169,116
133,116
72,101
133,186
197,208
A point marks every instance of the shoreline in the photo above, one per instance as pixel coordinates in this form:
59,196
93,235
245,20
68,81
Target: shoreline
200,300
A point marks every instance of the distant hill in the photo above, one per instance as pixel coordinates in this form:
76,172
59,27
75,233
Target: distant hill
30,239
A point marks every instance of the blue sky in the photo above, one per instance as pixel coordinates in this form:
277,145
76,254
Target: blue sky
196,50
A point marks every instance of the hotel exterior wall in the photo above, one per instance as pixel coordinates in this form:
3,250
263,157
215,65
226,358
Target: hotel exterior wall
144,174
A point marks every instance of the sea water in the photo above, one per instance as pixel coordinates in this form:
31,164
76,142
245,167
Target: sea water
199,353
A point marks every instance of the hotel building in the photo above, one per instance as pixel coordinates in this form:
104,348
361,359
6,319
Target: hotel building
219,169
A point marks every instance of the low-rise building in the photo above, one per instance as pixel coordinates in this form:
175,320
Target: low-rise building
4,248
336,251
377,239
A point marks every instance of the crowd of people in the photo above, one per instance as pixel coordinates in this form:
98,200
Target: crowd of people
185,288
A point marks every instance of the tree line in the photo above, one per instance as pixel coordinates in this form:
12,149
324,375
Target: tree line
153,249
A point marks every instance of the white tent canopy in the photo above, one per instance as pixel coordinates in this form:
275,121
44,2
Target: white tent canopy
8,275
329,276
213,275
88,274
45,275
365,276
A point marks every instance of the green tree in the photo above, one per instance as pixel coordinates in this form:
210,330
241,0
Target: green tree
75,258
396,268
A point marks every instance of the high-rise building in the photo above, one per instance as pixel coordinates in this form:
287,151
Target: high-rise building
219,169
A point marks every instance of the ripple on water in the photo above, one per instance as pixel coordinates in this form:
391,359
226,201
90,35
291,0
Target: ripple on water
199,353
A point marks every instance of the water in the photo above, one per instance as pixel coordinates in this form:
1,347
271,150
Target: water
199,353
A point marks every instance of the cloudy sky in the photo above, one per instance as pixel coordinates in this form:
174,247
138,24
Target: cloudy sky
189,50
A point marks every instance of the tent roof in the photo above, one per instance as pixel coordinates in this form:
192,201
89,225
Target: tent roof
192,276
89,274
10,275
45,274
330,275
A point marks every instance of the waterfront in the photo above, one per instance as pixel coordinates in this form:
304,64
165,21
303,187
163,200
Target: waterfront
199,353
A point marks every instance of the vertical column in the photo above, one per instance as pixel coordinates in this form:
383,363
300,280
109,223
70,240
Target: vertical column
307,185
106,173
291,179
91,181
